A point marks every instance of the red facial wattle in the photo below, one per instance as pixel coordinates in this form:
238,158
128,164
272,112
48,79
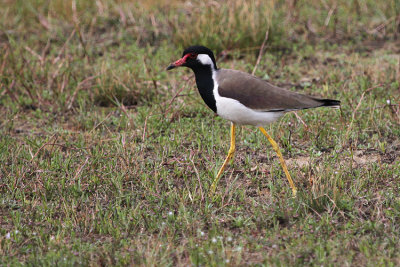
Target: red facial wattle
181,61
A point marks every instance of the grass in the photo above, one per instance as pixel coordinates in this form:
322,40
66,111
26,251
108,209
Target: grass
107,159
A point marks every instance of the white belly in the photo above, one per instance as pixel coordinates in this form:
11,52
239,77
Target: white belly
238,113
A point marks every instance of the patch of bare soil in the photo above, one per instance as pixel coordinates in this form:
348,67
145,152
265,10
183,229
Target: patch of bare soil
299,161
360,158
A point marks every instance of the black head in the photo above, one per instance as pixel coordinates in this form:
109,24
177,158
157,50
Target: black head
195,57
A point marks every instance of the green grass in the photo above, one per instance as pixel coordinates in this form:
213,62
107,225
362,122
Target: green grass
107,159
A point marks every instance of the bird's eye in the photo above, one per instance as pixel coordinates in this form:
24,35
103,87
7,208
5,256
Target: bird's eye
192,56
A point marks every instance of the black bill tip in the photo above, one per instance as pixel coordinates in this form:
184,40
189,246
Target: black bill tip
170,67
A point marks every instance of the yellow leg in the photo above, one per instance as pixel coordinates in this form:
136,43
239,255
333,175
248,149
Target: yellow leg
228,158
276,148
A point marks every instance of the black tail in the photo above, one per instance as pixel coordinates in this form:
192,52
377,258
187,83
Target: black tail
329,103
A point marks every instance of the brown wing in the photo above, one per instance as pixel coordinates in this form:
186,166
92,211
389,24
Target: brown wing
259,94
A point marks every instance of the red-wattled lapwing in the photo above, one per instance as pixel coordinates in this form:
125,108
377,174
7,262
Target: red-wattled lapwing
243,99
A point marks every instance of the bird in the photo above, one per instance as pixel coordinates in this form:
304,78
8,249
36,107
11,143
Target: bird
243,99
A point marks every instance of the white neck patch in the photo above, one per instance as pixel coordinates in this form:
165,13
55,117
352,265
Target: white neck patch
205,60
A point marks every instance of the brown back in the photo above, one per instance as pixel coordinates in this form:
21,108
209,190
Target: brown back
259,94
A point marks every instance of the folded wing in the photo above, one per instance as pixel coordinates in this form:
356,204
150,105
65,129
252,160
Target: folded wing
258,94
